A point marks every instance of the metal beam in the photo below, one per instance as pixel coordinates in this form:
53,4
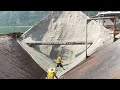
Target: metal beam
57,43
100,18
114,29
86,38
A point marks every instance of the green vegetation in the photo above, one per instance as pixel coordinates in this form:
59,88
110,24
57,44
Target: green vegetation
90,13
5,30
21,18
27,18
24,18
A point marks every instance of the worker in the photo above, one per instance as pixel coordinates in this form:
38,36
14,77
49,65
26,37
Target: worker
59,61
51,73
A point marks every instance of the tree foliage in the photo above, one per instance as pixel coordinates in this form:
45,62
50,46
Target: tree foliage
30,18
21,18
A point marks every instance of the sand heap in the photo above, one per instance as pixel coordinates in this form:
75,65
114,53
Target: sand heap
67,26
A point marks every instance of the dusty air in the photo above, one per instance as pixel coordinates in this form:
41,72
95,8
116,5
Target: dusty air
59,44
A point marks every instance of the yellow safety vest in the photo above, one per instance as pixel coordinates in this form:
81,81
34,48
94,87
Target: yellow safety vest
58,59
51,75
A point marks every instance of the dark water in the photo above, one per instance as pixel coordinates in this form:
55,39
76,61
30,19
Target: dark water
15,63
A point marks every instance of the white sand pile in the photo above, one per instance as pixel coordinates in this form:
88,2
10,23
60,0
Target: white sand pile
67,26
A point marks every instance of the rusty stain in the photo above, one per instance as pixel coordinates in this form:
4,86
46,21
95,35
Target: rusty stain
103,64
16,63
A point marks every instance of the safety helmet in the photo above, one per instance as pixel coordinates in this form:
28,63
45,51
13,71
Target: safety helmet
51,70
59,55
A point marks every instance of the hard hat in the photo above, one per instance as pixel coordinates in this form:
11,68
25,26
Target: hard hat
51,70
59,55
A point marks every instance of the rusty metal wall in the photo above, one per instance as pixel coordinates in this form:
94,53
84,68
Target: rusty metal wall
16,63
103,64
